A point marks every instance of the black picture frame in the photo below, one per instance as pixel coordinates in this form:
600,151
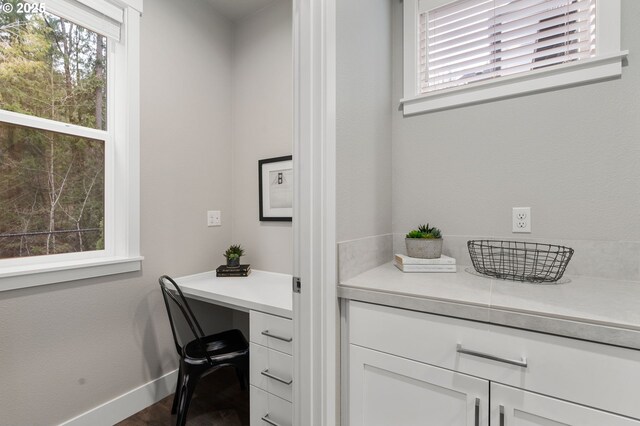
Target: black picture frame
275,189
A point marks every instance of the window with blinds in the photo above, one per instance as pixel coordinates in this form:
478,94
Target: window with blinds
470,41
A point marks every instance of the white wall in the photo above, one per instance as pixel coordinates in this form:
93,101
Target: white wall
363,127
262,128
572,155
67,348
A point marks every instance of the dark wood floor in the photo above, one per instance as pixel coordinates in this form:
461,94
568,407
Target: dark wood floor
218,400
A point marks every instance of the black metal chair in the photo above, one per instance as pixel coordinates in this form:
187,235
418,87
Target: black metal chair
203,353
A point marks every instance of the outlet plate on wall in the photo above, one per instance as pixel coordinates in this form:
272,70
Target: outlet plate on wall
521,219
214,218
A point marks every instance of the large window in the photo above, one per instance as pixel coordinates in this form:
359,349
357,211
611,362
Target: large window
68,140
474,50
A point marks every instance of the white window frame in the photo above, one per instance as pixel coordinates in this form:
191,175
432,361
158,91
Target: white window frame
122,155
605,65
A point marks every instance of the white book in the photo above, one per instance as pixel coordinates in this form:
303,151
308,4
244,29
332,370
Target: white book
402,259
426,268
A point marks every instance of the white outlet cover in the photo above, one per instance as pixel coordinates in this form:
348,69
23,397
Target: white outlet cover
214,218
521,220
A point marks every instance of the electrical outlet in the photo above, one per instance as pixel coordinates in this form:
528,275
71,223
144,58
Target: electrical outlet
521,219
214,218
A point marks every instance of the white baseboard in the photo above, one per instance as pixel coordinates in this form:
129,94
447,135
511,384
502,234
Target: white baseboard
127,404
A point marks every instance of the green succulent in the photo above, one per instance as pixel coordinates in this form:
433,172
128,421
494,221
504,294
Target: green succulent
414,234
425,231
234,251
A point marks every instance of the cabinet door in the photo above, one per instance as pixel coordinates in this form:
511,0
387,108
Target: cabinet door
516,407
387,390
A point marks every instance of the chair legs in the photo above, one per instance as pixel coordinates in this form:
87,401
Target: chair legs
242,371
190,378
176,395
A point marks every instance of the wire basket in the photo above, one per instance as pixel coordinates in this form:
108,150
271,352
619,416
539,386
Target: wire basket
519,261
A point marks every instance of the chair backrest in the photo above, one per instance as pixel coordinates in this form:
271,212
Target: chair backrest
180,314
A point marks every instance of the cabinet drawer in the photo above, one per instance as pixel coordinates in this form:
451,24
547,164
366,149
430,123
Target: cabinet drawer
271,331
588,373
271,371
269,410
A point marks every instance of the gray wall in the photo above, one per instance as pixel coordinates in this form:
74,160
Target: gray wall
262,128
572,155
363,127
67,348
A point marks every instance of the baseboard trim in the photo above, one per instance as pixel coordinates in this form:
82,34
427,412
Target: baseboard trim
127,404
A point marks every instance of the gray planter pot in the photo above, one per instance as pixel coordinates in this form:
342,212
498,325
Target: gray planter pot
424,248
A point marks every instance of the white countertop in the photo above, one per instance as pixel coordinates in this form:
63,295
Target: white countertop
262,291
601,310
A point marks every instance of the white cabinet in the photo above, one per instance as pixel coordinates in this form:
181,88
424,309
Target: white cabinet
420,368
267,409
271,369
516,407
390,390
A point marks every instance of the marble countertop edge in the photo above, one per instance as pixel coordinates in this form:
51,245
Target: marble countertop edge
613,319
413,295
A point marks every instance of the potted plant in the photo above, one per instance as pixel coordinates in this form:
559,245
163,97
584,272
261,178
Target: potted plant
424,242
233,255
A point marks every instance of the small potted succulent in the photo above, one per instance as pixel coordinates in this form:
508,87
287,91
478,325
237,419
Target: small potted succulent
424,242
233,255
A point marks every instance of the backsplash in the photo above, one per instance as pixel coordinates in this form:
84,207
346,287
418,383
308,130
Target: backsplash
358,256
618,260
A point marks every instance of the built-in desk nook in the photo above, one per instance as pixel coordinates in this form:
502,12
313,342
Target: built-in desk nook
267,297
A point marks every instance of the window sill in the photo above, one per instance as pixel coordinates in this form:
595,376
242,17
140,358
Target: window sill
53,273
600,68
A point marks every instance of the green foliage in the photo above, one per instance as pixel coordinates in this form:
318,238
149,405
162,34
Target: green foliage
235,251
424,231
414,234
51,68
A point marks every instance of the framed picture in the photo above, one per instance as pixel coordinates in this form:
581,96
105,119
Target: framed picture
275,177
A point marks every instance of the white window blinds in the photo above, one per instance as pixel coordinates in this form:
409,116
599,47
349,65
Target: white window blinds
474,40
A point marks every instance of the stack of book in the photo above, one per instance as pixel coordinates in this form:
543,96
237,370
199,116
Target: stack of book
414,264
233,271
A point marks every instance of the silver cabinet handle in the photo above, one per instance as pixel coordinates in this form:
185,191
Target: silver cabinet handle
266,419
284,339
271,376
477,412
520,363
502,415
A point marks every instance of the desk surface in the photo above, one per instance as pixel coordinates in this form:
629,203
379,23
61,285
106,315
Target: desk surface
262,291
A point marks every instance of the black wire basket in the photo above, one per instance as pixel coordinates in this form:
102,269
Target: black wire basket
519,261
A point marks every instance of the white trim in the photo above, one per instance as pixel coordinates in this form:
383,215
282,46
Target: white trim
51,125
566,75
122,176
315,308
134,4
84,17
56,272
105,8
127,404
606,65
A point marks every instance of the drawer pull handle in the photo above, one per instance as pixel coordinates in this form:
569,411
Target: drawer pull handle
284,339
502,415
266,419
271,376
520,363
477,423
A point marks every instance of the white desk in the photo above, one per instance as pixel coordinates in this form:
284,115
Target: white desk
262,291
268,298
